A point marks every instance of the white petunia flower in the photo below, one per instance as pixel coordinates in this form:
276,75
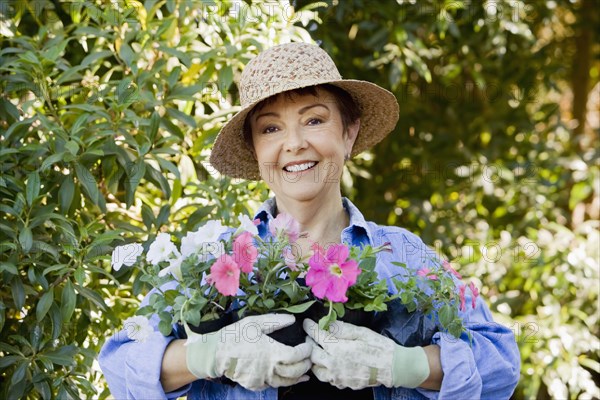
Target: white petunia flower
161,249
246,224
174,268
138,328
204,241
126,254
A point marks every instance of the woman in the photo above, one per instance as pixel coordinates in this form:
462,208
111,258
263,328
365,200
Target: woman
299,122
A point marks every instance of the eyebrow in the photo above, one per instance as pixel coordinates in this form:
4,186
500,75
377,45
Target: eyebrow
301,111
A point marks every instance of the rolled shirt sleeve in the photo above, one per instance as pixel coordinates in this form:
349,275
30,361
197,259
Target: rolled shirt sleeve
486,366
132,369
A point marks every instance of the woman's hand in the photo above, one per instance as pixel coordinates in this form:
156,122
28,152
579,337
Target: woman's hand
356,357
245,354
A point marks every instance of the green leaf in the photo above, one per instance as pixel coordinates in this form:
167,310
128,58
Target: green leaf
145,311
33,187
165,327
126,54
72,147
171,295
456,328
18,292
158,179
339,309
8,267
147,216
182,117
19,373
86,179
191,316
66,193
68,301
44,304
63,356
56,319
26,239
445,315
53,159
298,308
154,125
135,173
43,388
79,276
325,321
269,303
19,203
92,296
163,215
93,57
7,361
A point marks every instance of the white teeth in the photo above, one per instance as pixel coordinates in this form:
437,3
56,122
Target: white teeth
300,167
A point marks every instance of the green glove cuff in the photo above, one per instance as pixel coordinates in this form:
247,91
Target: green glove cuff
200,356
410,367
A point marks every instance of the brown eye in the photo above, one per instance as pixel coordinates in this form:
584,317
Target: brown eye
315,121
270,129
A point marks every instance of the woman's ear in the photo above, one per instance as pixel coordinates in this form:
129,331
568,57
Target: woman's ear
351,135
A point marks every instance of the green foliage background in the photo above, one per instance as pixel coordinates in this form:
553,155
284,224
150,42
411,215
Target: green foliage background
108,111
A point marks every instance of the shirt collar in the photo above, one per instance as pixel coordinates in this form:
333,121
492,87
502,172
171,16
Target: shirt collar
265,216
357,231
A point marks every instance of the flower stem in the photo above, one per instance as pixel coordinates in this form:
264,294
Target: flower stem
271,272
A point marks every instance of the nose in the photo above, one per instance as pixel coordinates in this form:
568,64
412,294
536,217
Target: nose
295,140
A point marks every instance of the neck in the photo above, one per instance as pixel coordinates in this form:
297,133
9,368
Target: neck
323,222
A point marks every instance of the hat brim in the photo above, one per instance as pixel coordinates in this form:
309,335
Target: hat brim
379,114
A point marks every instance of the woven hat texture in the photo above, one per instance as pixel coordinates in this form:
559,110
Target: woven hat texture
292,66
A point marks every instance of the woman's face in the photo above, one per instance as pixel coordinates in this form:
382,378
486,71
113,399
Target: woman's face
300,144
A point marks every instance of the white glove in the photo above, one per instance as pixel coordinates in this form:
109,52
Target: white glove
356,357
245,354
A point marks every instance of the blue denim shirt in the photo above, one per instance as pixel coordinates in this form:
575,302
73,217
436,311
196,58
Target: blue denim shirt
486,368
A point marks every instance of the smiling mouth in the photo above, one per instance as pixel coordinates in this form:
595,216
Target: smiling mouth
300,167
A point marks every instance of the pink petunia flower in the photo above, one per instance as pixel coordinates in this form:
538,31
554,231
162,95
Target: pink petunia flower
461,295
331,273
225,274
285,223
291,260
425,272
475,292
449,268
244,252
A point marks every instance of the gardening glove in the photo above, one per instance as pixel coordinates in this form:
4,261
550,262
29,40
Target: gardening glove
245,354
356,357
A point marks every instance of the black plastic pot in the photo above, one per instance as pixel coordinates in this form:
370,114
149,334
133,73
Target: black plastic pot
405,328
355,317
292,335
212,325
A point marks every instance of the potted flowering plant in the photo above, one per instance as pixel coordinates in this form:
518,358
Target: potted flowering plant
217,271
345,277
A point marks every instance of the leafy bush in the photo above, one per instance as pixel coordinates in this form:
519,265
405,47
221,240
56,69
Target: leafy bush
107,113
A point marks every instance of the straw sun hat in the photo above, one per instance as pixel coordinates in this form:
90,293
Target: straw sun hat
288,67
